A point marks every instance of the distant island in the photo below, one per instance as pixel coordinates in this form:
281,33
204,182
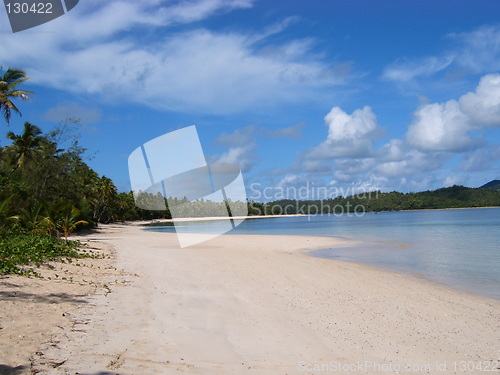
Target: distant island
455,196
493,185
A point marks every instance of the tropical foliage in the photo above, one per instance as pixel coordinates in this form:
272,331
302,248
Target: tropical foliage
9,80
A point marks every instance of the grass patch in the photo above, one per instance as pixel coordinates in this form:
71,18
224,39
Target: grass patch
22,253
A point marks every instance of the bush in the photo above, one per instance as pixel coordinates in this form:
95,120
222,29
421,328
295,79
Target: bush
33,250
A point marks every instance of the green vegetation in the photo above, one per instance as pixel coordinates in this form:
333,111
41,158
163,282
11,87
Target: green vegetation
451,197
19,253
47,191
492,185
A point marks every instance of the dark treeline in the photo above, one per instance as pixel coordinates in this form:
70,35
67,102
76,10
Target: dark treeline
450,197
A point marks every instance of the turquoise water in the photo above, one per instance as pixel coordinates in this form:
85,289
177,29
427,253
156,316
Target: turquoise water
459,248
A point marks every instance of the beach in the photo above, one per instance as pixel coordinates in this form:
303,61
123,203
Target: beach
236,304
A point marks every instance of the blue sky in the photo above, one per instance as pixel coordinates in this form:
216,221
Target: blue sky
390,95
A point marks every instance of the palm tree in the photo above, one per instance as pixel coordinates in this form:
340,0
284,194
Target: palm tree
68,221
8,90
24,143
106,195
34,220
4,213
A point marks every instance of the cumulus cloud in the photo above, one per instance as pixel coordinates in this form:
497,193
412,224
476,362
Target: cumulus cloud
439,132
348,135
111,50
349,157
350,170
440,127
448,126
410,162
483,106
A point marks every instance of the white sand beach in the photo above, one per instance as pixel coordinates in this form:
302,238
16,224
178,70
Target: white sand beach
259,305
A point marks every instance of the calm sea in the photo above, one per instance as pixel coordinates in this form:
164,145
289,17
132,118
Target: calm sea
459,248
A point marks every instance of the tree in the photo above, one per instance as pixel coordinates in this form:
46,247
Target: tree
106,196
24,143
34,220
8,91
4,213
68,221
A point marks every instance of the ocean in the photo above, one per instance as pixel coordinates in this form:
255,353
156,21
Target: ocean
459,248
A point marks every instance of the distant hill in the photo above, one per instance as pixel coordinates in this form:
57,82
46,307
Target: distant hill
492,185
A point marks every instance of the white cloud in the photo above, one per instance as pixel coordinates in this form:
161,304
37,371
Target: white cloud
440,127
411,163
483,105
481,159
348,135
350,167
453,180
475,52
394,150
109,50
312,166
242,143
448,126
408,70
398,164
479,50
243,156
190,11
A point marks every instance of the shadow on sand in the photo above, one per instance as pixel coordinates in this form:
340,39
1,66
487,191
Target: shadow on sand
41,298
18,370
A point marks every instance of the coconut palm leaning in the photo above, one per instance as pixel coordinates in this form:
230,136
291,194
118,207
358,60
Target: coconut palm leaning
9,81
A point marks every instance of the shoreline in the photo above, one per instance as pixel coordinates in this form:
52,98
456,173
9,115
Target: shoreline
208,218
466,289
437,209
254,302
215,218
470,288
